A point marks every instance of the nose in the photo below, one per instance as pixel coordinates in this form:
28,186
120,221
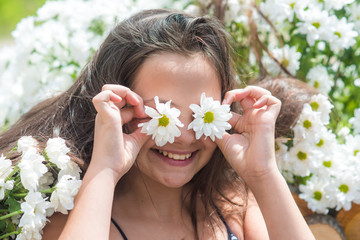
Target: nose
187,136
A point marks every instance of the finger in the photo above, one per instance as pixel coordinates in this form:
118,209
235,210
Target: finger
128,114
247,96
221,143
104,102
130,97
137,140
236,122
266,100
240,94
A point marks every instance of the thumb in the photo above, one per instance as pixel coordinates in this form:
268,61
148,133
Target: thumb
136,141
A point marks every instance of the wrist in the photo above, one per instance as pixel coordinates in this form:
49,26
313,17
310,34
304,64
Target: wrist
262,179
103,174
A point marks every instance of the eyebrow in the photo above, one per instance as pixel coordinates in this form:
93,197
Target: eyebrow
151,100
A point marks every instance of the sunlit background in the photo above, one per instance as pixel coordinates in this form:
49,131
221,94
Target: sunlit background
11,12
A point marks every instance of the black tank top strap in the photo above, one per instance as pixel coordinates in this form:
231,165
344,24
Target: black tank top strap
231,234
118,228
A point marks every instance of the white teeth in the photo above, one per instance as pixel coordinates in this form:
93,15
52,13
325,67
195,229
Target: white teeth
174,155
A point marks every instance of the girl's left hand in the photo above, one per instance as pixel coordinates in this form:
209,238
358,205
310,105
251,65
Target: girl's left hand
250,150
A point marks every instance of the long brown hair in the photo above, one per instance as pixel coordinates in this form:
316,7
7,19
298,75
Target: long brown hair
117,61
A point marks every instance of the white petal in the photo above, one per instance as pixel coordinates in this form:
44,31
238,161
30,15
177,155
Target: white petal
151,112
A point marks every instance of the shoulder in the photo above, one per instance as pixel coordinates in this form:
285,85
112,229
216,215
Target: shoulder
55,226
248,223
254,223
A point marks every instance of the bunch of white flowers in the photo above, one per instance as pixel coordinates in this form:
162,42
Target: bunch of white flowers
326,170
38,185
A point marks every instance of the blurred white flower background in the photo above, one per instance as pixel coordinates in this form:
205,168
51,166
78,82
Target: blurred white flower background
315,41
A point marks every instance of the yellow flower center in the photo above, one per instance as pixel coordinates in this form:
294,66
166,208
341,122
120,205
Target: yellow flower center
307,124
344,188
285,62
327,164
320,143
317,195
208,117
316,24
163,121
301,155
314,106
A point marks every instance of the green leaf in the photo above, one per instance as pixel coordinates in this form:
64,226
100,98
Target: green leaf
13,204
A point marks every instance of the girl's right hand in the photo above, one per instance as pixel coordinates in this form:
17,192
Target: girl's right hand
116,105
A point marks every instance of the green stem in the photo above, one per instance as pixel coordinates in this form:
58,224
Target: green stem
16,168
11,151
49,190
19,194
11,214
10,233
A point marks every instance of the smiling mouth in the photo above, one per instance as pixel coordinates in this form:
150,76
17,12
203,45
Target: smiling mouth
174,155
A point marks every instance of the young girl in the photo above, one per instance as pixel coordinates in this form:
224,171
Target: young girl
191,188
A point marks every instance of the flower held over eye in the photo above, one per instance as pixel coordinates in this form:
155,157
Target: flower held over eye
164,123
210,118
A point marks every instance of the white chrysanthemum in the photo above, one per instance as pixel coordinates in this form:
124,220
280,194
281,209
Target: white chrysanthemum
320,103
353,145
313,192
283,163
164,123
62,199
315,25
31,169
303,157
336,4
34,217
354,16
343,34
287,56
308,124
292,7
274,10
26,142
355,121
319,78
210,118
345,189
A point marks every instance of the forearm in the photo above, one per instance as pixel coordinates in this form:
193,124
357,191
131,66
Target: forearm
90,218
282,216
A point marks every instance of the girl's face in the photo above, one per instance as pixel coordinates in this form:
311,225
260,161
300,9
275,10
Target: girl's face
182,80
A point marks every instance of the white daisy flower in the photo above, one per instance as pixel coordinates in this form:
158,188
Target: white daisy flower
319,78
210,118
313,192
164,123
320,103
288,56
355,121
